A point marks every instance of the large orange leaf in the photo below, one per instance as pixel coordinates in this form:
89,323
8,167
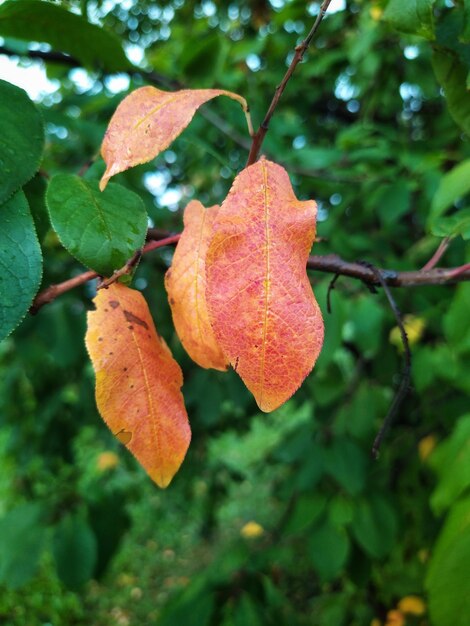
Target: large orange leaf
185,283
147,121
261,304
137,382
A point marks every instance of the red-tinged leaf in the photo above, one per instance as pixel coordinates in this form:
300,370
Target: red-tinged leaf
260,301
137,382
147,121
185,283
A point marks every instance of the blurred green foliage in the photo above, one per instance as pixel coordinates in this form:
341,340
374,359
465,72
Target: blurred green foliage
281,518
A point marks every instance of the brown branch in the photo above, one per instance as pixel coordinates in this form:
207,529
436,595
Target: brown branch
54,291
298,56
329,263
406,375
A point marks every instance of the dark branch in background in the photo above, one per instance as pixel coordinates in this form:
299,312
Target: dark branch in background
298,56
406,374
329,263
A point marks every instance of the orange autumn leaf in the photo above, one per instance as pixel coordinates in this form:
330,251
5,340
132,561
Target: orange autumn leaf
261,304
185,283
137,382
147,121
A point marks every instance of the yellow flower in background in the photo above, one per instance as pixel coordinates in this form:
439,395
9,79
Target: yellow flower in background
412,605
426,445
376,13
376,622
251,530
414,327
107,461
395,618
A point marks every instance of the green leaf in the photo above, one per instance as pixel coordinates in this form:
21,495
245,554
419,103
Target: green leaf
21,139
101,229
451,461
22,539
346,462
451,73
35,192
458,224
65,32
447,577
74,549
465,36
374,526
411,16
306,510
456,327
20,262
453,186
393,201
328,549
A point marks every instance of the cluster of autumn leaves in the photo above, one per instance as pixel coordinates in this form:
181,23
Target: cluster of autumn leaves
237,287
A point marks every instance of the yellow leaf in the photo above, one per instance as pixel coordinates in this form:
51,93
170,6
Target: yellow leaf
426,445
412,605
106,461
262,309
251,530
395,618
137,382
414,328
147,121
185,283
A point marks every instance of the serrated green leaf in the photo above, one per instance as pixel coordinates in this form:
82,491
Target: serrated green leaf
20,262
21,139
74,548
65,31
451,461
101,229
453,185
447,577
411,16
22,540
451,73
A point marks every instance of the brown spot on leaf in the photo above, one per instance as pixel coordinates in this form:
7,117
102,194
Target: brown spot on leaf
130,317
124,436
113,304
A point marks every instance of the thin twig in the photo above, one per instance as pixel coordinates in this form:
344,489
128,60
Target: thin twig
436,257
125,270
54,291
298,56
331,286
406,373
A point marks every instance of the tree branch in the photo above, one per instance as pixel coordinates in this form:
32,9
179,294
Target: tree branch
329,263
298,56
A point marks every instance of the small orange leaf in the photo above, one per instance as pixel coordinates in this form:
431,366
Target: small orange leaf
185,283
147,121
137,382
260,301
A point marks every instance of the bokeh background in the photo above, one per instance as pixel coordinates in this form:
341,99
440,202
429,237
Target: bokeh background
277,519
